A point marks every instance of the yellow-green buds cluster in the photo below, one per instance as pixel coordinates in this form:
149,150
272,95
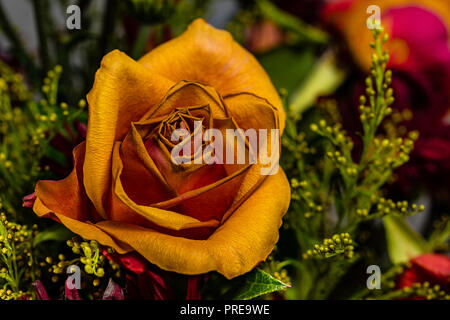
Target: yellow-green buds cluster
282,276
426,290
28,125
14,236
374,106
50,87
341,157
8,294
297,146
90,256
395,152
382,207
301,191
334,133
16,260
12,84
338,245
57,266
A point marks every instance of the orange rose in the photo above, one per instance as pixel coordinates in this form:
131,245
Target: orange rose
126,193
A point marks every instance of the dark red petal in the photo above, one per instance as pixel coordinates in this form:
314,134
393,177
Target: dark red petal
113,291
435,266
132,261
195,285
28,201
149,285
41,293
407,279
70,294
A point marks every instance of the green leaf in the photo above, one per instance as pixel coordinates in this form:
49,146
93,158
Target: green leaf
403,243
257,283
285,20
324,79
440,235
55,233
287,67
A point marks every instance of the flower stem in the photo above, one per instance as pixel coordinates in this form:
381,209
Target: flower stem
107,32
41,20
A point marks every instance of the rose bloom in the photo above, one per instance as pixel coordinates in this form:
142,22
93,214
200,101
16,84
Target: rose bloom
126,193
420,60
432,268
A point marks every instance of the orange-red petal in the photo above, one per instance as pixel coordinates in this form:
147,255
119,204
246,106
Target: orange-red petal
123,91
236,247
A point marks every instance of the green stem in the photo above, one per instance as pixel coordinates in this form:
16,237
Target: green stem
41,20
107,32
141,41
288,21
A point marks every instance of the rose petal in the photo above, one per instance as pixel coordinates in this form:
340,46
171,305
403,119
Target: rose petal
188,94
246,239
113,291
66,202
41,293
252,112
68,196
195,285
132,261
149,285
123,91
28,201
70,294
436,266
207,55
163,218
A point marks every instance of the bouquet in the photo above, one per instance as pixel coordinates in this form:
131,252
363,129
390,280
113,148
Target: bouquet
286,151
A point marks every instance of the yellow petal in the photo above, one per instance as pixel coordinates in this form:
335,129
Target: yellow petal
123,91
207,55
246,239
188,94
252,112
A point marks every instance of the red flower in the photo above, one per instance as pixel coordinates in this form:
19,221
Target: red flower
432,268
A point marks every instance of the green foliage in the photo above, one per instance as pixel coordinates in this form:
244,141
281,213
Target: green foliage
54,233
403,243
257,283
287,67
26,128
335,190
16,259
152,11
439,238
